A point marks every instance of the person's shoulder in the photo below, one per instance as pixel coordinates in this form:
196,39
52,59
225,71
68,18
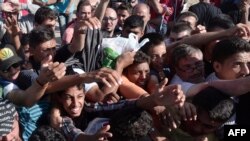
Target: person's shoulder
27,73
25,78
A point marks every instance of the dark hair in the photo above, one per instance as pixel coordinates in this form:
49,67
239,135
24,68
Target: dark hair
130,125
82,3
70,71
228,47
154,40
125,7
133,21
219,106
25,39
46,133
182,51
44,13
139,58
180,27
40,35
220,21
187,14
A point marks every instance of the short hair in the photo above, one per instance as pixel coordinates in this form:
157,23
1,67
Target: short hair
130,125
182,51
40,35
133,21
125,7
228,47
187,14
82,3
219,105
220,21
70,71
154,40
44,13
180,27
141,57
47,133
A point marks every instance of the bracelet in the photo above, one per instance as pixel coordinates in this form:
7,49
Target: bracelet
40,84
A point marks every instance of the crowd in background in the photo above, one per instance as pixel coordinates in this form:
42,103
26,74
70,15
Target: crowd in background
123,70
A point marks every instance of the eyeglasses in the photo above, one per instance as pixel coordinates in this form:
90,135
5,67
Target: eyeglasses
15,66
109,18
190,69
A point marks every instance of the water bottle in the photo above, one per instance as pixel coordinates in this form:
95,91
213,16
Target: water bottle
110,58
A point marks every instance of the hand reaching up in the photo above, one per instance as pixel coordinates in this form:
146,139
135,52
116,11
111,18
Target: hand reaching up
101,135
50,71
188,111
170,95
107,76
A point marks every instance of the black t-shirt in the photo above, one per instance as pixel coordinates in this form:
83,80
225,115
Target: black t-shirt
205,12
243,110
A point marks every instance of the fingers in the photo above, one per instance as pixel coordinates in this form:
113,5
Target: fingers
52,72
169,120
103,133
171,95
109,76
91,23
56,71
162,84
188,112
242,30
111,98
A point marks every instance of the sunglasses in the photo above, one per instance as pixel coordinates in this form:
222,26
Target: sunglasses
16,65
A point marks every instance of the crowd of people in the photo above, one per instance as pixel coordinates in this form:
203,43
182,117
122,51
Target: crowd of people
183,75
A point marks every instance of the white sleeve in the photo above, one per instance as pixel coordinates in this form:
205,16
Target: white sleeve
8,88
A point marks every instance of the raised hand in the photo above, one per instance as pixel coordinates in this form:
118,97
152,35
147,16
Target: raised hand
80,31
82,25
102,134
126,59
50,71
170,95
105,75
241,30
169,119
11,25
188,111
111,98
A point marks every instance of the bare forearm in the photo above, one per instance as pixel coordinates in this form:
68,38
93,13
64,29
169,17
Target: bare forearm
156,6
16,42
233,87
65,82
99,13
146,103
78,42
28,97
203,38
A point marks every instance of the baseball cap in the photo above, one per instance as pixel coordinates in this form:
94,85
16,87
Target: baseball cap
8,57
